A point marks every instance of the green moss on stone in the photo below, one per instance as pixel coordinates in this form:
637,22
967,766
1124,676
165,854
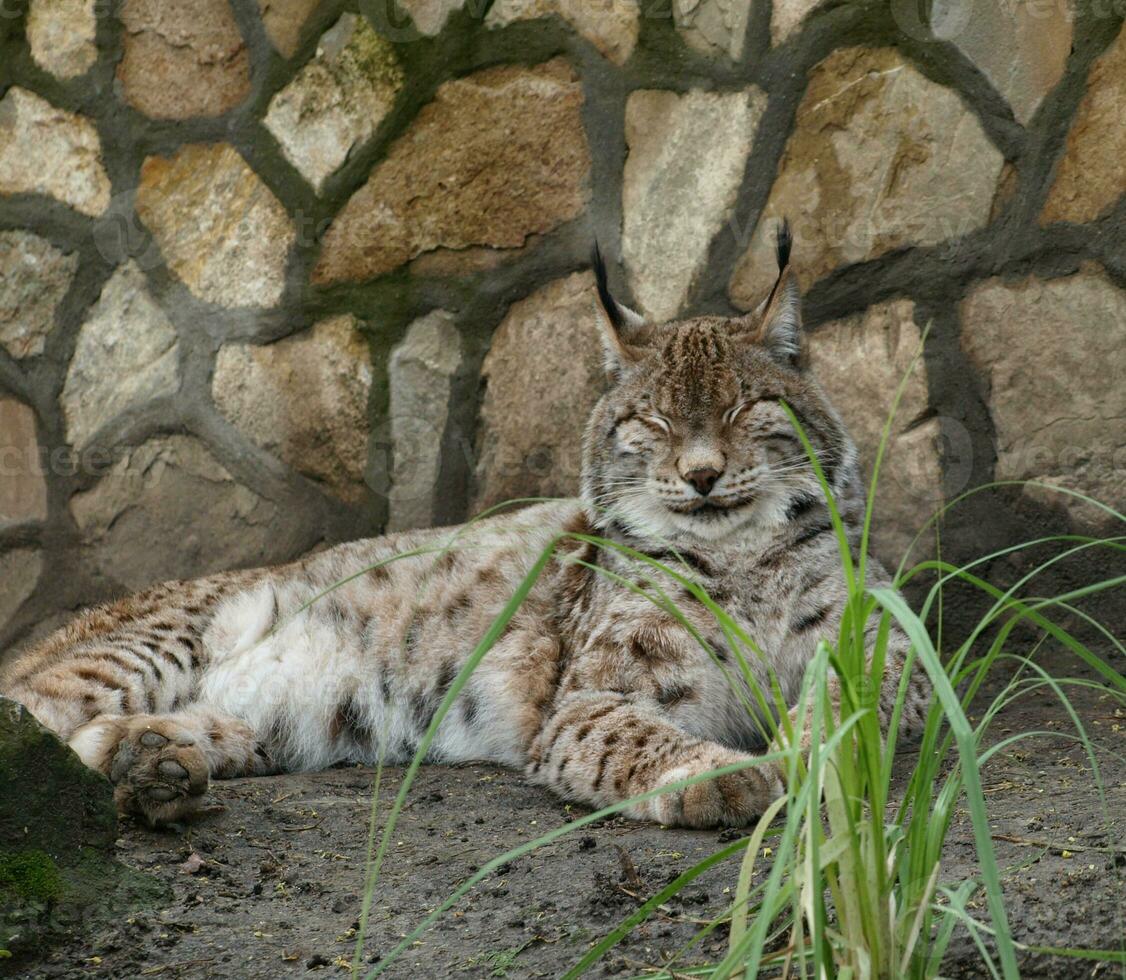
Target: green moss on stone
371,56
30,876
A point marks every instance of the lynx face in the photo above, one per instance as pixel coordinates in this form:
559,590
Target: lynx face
691,442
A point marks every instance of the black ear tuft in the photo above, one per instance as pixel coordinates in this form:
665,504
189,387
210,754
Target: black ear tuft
785,242
609,304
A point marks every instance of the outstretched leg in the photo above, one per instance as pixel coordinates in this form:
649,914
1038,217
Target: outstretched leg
160,764
604,747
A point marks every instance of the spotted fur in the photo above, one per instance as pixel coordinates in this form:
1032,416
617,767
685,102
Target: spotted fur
594,690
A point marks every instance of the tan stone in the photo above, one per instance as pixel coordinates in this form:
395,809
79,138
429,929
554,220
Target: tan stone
182,59
861,361
284,21
1022,48
23,488
44,150
612,26
496,157
34,278
219,228
713,26
1091,177
421,374
880,158
1052,354
169,509
127,354
337,100
675,198
543,375
19,574
61,36
786,16
305,399
430,16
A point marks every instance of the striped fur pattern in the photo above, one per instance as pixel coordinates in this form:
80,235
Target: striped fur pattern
593,689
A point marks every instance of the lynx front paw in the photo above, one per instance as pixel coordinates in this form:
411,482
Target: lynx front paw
732,800
158,771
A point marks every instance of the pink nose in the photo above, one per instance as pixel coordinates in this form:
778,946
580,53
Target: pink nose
703,480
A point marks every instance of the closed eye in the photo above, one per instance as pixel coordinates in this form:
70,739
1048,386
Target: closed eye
733,413
656,421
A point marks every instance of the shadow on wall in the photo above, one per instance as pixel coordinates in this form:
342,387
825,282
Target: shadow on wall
274,276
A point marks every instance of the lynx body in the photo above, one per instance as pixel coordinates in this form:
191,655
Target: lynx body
592,688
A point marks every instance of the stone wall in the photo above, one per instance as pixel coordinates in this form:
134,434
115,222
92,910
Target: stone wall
277,273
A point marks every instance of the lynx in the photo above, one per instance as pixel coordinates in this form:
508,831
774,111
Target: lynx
592,689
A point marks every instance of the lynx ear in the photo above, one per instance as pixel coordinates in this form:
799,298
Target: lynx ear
776,324
622,328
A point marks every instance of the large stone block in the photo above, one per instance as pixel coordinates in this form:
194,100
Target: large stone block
337,100
861,361
543,375
496,157
880,158
23,488
421,373
127,354
1022,48
61,33
612,26
44,150
305,399
19,575
182,59
1052,353
1091,177
217,225
675,199
34,278
58,824
168,509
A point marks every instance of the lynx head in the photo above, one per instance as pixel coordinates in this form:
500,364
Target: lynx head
691,442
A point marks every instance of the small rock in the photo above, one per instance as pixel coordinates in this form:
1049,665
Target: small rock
337,100
868,169
674,198
60,34
420,375
1089,178
44,150
34,278
217,225
23,487
182,59
127,354
192,865
612,26
542,376
496,157
304,398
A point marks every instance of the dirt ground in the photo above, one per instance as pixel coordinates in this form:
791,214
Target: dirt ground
268,885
